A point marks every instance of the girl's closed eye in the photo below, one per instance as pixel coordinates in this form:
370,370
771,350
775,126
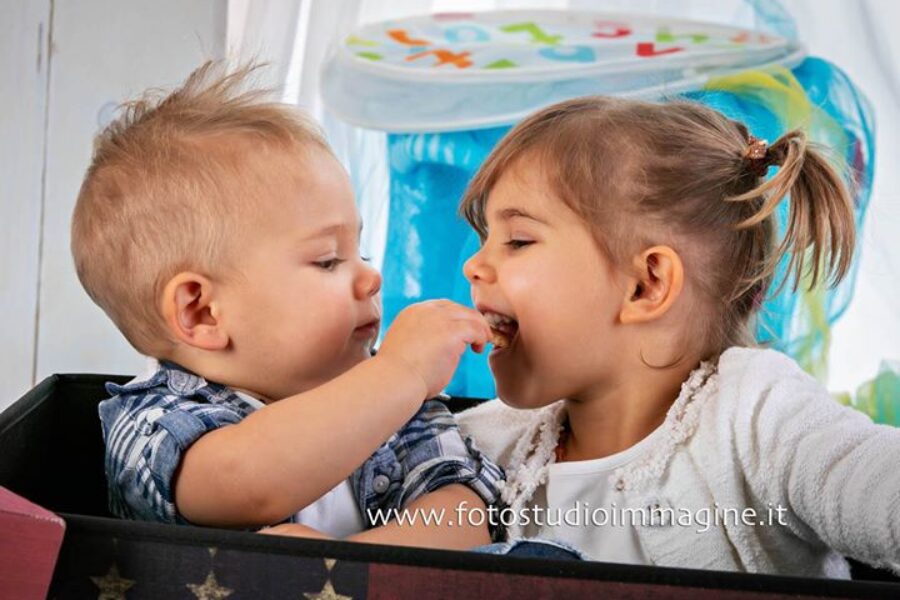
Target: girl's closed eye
516,244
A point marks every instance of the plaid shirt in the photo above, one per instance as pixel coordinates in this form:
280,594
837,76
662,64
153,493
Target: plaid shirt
150,422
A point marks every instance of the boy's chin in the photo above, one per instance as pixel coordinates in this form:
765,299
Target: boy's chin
363,353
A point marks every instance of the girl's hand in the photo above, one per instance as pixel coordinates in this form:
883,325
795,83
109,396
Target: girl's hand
429,338
295,530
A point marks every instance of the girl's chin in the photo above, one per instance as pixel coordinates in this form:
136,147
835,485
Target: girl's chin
501,359
521,402
513,393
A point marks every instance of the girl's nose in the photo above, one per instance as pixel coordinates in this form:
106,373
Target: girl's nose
478,269
368,283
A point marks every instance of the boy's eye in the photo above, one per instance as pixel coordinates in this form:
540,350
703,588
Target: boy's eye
516,244
330,264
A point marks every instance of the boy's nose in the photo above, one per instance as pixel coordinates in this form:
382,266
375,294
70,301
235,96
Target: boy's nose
368,283
478,269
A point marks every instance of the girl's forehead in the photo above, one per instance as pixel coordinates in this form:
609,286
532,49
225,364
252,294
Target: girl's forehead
525,191
521,186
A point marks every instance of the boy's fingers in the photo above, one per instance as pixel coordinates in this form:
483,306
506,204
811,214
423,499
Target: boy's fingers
464,312
477,333
274,530
444,304
459,309
483,326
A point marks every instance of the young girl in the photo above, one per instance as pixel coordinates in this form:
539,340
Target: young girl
626,250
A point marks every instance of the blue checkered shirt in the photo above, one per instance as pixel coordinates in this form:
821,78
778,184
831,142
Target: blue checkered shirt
149,423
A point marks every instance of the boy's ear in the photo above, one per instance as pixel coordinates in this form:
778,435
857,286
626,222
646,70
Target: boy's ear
658,283
191,312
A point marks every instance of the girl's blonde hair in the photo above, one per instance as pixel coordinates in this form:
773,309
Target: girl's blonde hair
680,173
171,183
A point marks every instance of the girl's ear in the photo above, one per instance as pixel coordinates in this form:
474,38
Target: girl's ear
192,313
658,283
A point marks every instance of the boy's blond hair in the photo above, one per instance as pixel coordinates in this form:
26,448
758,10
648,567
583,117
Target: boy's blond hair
168,185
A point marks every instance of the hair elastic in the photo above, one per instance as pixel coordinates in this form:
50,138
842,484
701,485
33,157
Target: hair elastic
757,153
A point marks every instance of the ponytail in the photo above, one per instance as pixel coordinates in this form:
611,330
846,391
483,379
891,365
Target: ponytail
820,218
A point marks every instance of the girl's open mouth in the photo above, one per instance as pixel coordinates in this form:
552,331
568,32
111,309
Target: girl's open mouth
504,330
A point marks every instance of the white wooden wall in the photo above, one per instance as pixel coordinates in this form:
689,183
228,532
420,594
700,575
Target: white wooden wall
23,93
63,66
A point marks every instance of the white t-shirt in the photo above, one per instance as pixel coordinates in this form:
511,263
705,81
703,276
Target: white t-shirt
336,513
582,508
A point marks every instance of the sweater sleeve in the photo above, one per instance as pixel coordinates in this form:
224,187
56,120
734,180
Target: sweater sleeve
494,427
836,472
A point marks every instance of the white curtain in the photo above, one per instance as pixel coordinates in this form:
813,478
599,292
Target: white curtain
858,36
269,31
296,35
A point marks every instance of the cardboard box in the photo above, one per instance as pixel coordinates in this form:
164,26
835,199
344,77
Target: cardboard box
30,537
51,452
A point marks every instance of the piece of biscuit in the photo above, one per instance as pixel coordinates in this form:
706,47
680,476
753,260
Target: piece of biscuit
499,339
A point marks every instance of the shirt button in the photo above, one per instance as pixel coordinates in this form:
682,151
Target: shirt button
381,484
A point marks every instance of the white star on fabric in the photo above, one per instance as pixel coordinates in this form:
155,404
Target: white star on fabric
327,593
112,586
210,590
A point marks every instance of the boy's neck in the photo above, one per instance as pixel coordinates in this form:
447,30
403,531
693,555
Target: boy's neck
608,421
212,371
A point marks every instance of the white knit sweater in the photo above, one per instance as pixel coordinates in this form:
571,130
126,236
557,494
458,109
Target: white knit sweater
752,431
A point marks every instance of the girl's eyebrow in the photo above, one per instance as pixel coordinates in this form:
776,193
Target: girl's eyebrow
508,213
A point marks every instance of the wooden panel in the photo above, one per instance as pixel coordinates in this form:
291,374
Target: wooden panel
23,71
104,52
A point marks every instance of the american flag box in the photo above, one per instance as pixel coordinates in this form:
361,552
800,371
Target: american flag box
51,453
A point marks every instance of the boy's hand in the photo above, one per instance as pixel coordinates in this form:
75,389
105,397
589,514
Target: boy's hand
295,530
430,337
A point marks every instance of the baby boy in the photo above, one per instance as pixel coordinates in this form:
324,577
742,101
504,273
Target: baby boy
221,236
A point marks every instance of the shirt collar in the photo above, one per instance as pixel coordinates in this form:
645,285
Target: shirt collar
179,380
